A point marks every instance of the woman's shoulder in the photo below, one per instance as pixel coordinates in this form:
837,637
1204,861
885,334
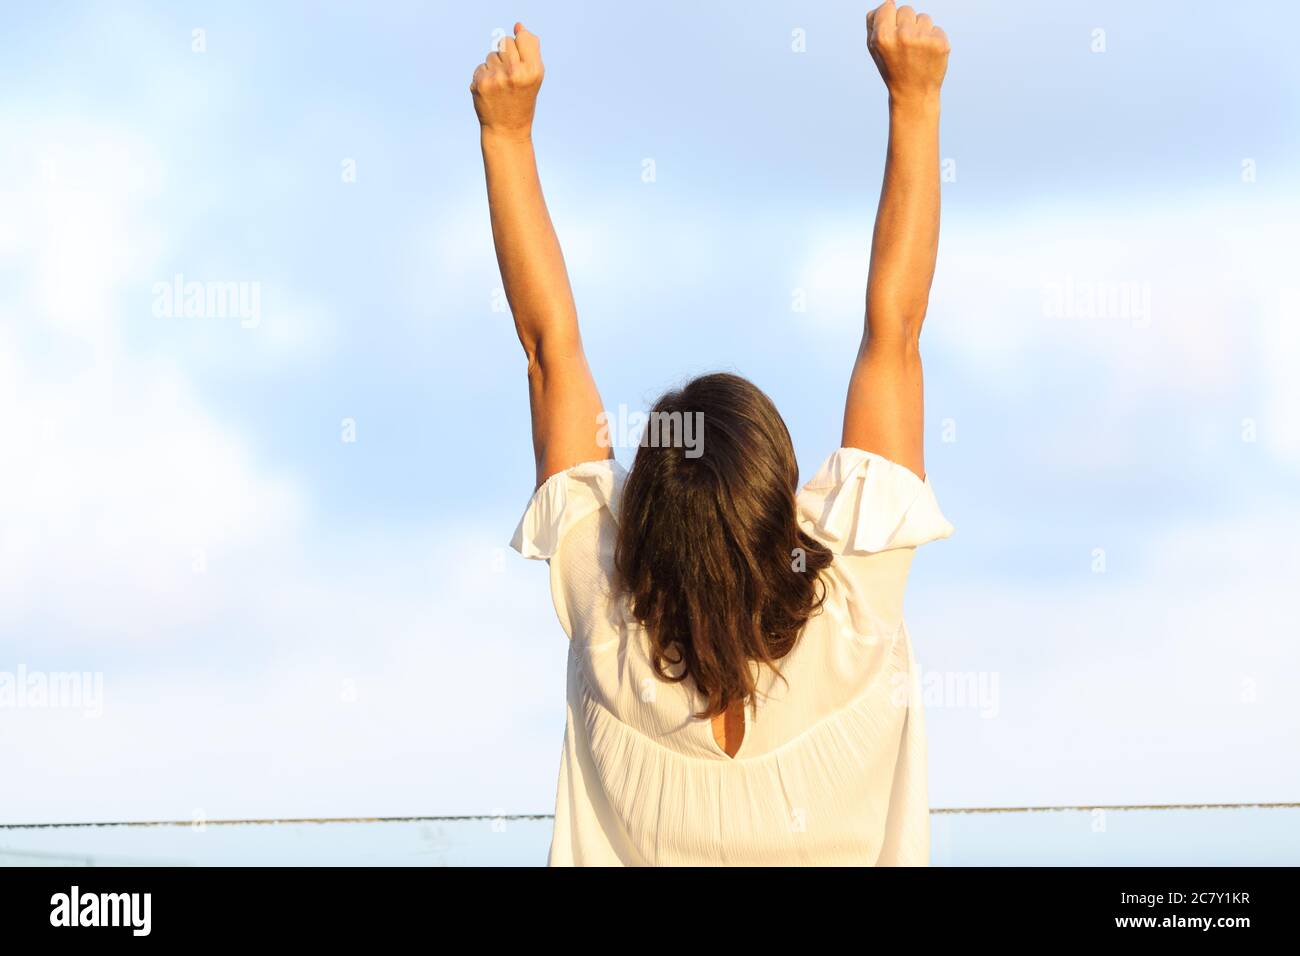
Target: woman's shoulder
571,523
860,503
565,499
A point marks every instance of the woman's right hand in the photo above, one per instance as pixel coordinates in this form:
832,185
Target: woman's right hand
910,51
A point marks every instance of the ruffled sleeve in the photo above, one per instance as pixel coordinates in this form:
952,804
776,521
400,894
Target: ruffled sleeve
562,501
861,503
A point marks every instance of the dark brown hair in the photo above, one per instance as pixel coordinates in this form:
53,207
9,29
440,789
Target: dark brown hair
709,548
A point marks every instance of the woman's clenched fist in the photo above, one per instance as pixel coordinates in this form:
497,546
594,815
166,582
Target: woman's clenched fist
910,51
505,85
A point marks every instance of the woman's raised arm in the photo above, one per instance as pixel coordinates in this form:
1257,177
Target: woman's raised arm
885,410
561,391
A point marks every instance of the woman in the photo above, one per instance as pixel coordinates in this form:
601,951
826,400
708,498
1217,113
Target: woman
741,689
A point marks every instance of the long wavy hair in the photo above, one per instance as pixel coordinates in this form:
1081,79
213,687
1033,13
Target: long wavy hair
709,549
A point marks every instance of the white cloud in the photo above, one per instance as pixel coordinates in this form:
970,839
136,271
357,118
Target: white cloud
69,190
142,537
119,489
117,482
1222,327
374,683
1162,680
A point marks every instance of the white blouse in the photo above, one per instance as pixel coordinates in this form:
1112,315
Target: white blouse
831,770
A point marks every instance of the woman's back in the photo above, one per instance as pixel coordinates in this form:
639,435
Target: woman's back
706,587
831,765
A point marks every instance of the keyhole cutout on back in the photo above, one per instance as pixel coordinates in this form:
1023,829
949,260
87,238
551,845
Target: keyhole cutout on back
729,728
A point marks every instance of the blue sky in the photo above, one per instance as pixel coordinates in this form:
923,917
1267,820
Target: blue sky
291,624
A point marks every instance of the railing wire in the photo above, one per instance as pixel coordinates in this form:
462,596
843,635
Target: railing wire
548,816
